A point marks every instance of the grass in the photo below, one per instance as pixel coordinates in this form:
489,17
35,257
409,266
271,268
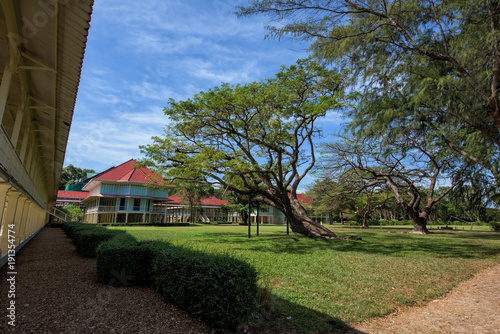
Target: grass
319,285
475,228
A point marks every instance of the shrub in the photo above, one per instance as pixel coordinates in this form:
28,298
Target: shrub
495,226
218,289
75,212
123,261
86,237
87,241
71,228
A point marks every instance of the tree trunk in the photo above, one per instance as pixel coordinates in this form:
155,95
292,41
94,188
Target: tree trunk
191,215
419,225
365,222
244,216
301,223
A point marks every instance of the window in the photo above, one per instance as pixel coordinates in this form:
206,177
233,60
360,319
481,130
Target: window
122,204
137,204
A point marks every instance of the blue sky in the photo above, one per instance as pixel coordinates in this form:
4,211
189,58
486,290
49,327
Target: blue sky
141,53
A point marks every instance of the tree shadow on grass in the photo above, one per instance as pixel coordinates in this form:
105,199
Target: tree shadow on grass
289,317
466,246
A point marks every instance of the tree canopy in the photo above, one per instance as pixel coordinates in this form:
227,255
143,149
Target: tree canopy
71,174
406,164
254,139
430,63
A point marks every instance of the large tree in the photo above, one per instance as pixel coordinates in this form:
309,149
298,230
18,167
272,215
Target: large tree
191,193
254,139
410,167
334,196
71,174
474,196
327,200
413,61
368,201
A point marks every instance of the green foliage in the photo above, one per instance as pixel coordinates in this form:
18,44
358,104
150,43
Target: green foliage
495,226
316,280
71,228
427,65
392,222
254,139
87,237
123,261
408,166
71,174
327,199
213,222
74,211
87,241
218,289
143,224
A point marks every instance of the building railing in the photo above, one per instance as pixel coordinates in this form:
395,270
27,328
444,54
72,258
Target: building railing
112,209
63,216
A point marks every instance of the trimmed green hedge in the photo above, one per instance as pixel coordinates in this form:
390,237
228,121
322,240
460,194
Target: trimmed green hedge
144,224
123,261
87,237
218,289
87,241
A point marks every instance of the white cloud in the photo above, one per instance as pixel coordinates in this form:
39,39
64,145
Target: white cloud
215,72
140,54
113,139
333,117
152,42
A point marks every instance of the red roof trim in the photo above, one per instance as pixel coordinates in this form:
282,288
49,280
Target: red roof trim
303,199
212,200
72,194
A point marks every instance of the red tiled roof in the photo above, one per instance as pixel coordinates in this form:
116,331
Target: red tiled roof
303,199
213,201
205,201
72,194
125,172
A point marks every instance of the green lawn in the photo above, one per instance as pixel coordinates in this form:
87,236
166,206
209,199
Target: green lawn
467,228
317,283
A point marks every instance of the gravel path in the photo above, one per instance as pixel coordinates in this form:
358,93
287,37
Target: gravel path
56,292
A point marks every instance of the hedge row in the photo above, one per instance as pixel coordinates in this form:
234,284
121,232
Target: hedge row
123,261
87,237
218,289
214,222
144,224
